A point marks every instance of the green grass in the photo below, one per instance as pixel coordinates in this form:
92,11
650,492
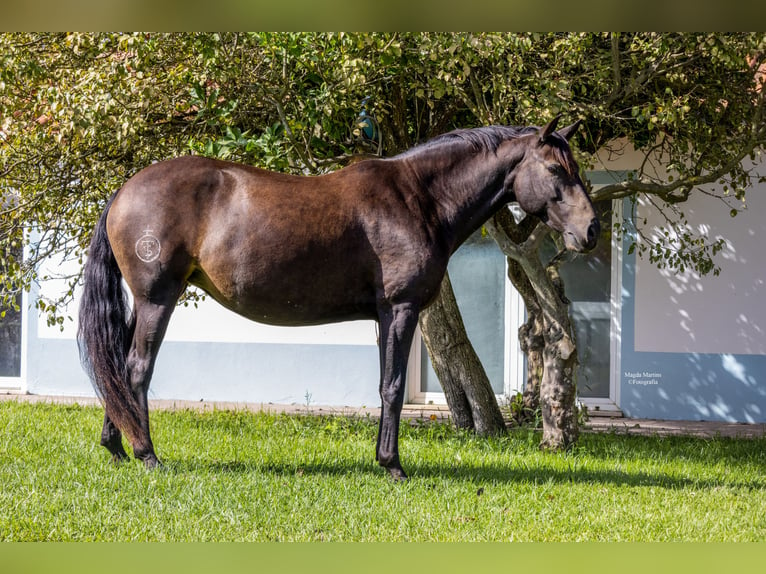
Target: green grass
256,477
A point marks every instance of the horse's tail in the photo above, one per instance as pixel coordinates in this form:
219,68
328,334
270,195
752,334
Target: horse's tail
105,331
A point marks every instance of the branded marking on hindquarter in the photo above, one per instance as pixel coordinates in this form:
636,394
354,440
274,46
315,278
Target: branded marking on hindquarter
148,247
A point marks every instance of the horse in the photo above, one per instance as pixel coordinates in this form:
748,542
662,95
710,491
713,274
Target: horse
368,241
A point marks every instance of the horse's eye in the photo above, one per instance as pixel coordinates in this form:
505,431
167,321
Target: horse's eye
556,169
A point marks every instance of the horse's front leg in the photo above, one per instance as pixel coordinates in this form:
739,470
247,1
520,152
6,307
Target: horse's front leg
397,327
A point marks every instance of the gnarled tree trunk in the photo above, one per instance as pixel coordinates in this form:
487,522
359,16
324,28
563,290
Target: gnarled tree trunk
466,386
557,387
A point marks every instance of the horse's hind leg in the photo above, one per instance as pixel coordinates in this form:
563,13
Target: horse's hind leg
111,438
151,322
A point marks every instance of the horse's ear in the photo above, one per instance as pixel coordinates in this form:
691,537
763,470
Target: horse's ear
549,128
569,131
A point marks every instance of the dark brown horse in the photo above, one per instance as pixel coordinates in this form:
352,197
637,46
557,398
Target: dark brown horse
370,241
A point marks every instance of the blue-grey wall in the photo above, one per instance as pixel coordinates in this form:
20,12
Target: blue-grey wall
323,374
685,386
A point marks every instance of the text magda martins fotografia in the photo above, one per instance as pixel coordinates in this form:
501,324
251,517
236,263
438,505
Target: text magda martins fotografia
642,377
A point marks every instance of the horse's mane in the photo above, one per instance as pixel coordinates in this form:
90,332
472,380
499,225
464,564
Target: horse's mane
489,138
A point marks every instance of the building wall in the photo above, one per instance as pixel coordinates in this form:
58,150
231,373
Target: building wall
690,347
695,347
211,354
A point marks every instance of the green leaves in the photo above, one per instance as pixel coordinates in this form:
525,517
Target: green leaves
80,113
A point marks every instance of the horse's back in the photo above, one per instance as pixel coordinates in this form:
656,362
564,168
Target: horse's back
273,247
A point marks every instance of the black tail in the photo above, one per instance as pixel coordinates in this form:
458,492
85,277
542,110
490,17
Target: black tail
106,330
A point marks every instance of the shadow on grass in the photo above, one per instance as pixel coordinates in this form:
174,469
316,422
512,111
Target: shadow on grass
733,452
545,475
462,473
603,449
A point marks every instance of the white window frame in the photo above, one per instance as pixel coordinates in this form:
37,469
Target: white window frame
612,403
513,358
14,385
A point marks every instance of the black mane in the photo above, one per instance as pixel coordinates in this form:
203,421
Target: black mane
478,139
489,138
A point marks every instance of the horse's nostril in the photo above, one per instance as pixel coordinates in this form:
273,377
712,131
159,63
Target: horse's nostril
593,232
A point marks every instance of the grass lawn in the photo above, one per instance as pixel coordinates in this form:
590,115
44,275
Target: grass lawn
235,476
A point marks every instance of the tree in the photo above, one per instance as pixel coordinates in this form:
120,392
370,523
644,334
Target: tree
93,109
81,112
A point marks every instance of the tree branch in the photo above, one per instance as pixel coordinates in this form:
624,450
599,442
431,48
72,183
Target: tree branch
302,153
676,191
616,76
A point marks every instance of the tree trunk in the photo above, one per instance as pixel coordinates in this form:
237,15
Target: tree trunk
466,386
557,389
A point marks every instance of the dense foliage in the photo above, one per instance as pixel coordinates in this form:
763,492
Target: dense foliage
79,113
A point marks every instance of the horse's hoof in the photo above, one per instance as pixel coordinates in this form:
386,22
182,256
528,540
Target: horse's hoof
397,474
118,458
151,462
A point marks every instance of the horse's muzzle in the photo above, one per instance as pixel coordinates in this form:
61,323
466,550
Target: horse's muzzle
585,242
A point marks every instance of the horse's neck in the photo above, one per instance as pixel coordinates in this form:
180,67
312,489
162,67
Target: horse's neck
467,189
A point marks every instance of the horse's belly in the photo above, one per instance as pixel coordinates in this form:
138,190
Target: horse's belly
291,301
297,313
294,315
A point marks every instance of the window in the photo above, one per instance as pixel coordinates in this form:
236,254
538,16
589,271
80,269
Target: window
590,286
485,297
10,342
11,335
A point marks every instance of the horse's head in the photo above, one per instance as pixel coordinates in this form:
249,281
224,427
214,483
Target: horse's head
547,184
